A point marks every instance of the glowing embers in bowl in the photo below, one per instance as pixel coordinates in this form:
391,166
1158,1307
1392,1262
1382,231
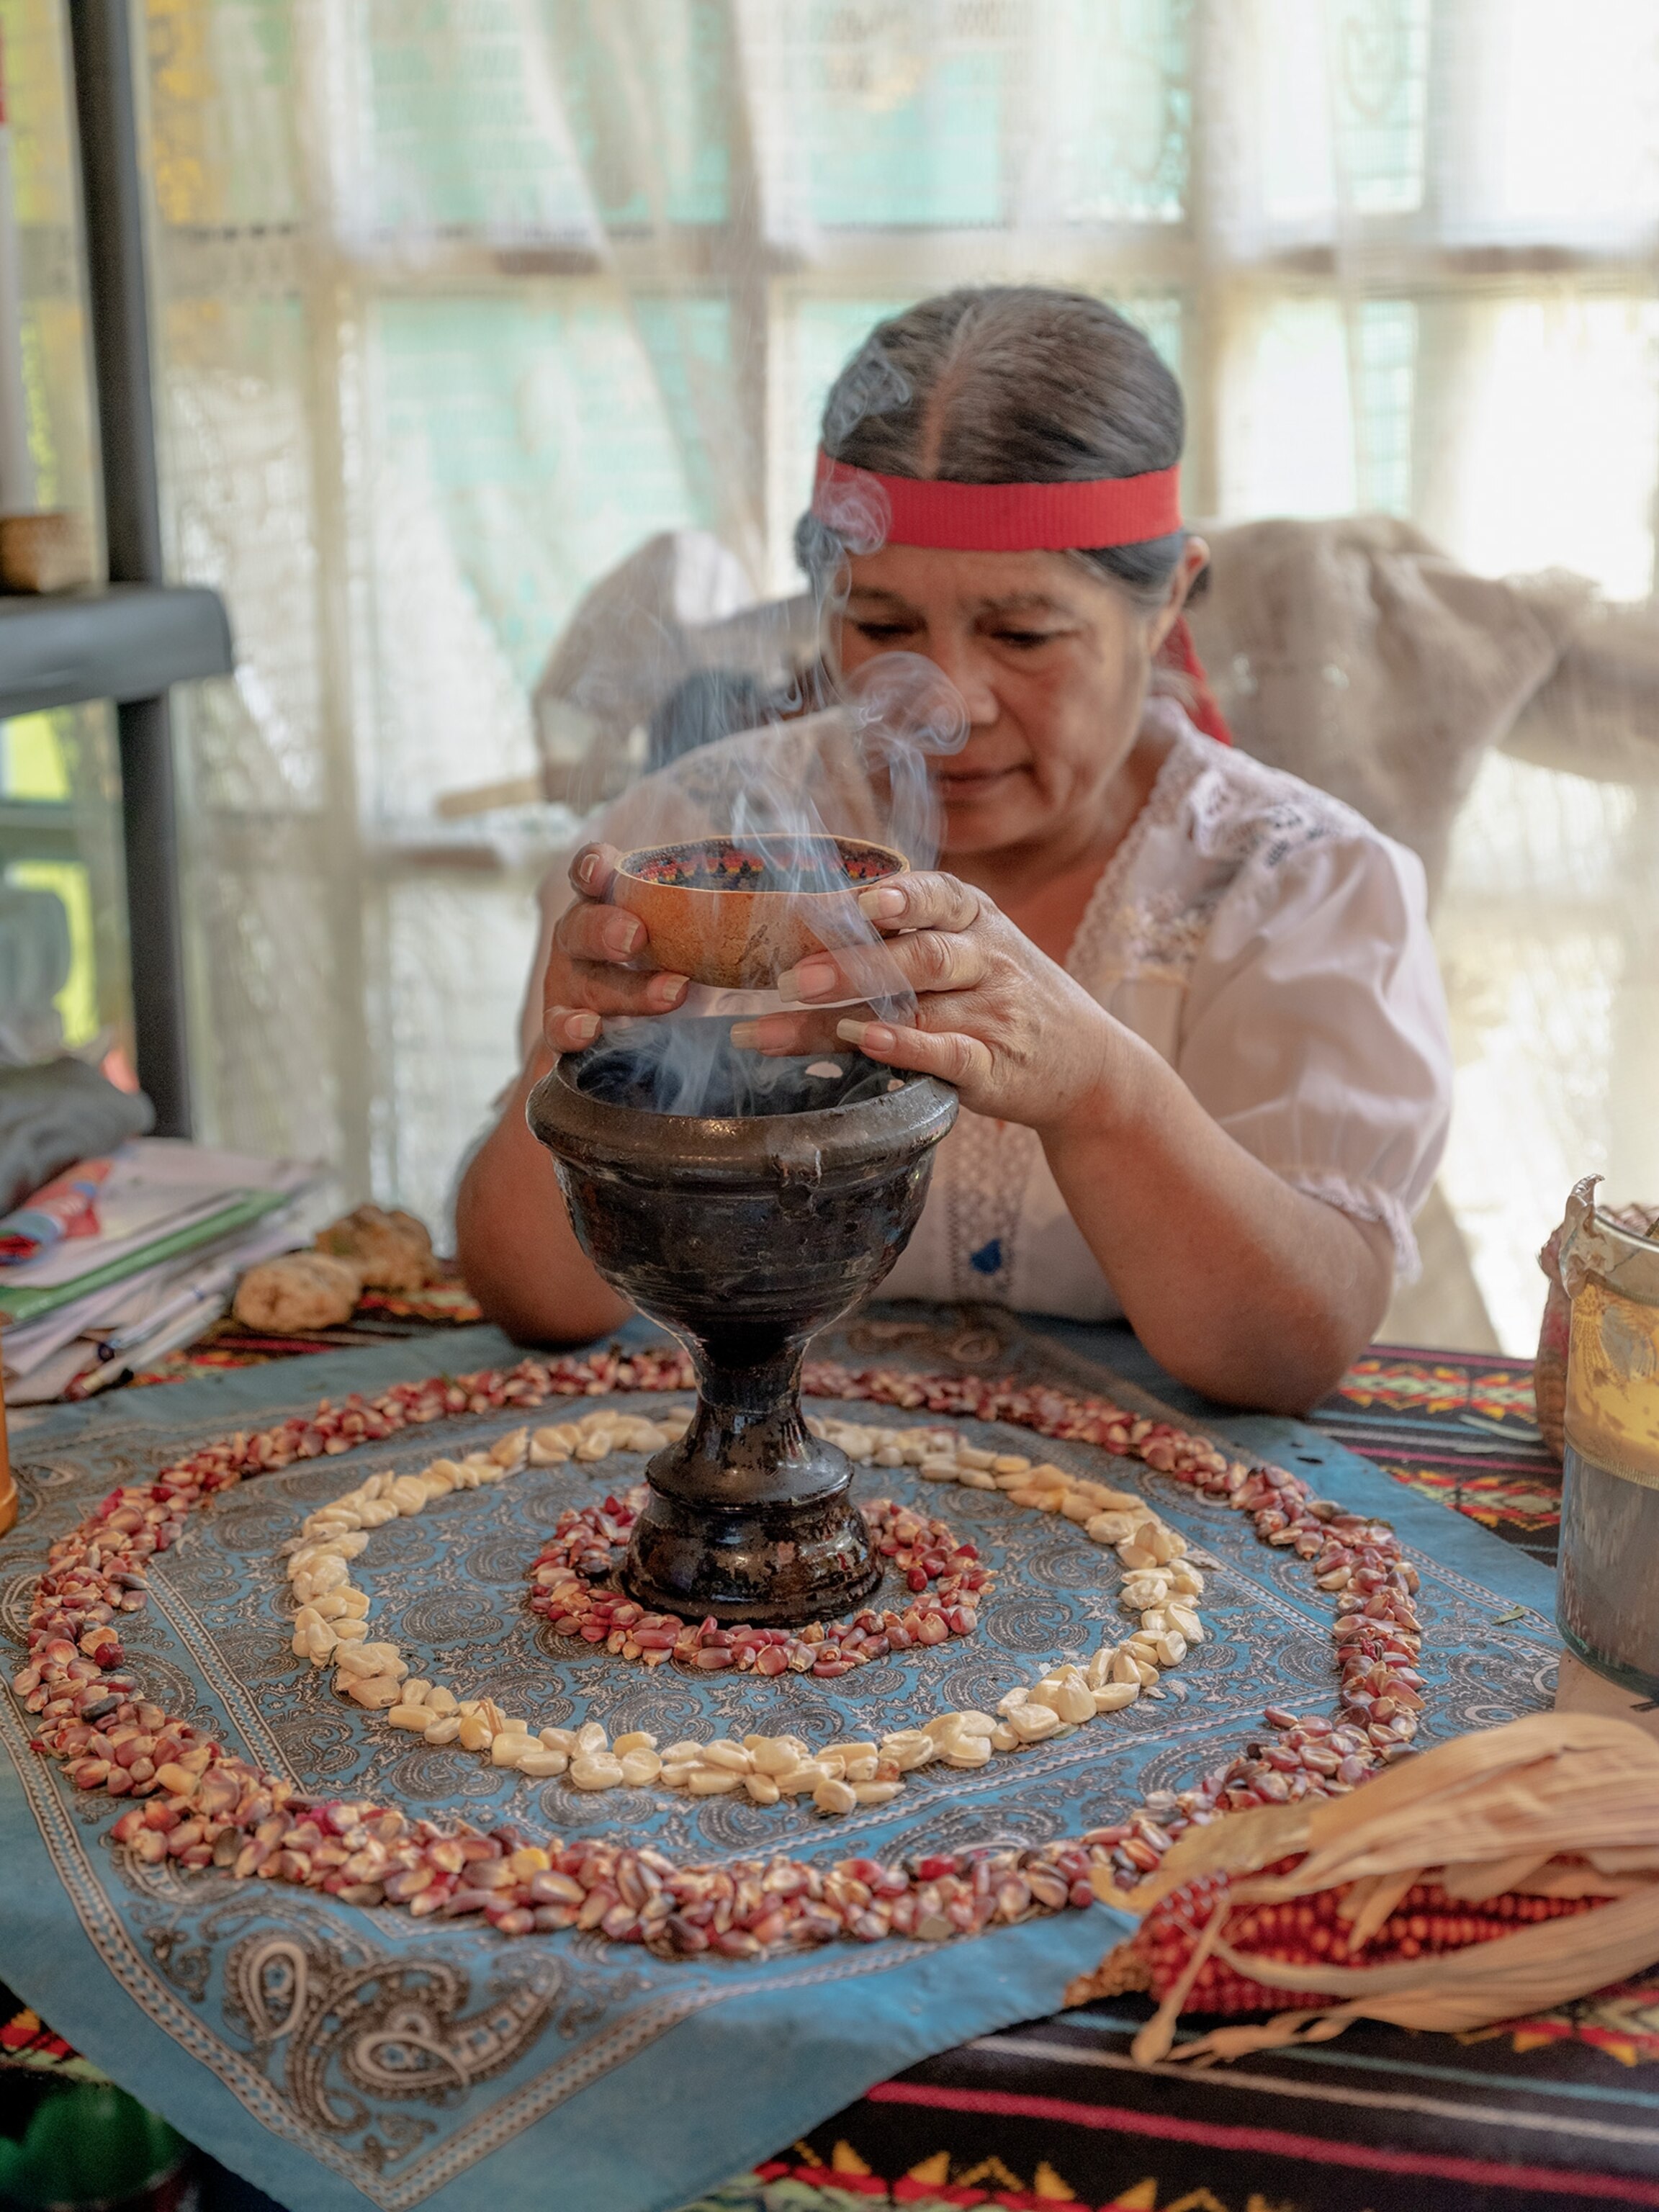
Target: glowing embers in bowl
768,863
738,912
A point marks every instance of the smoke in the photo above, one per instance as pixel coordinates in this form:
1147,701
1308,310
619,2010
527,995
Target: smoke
871,384
714,719
670,1065
855,512
859,769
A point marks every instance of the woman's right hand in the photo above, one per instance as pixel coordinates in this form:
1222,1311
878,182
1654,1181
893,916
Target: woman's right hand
599,962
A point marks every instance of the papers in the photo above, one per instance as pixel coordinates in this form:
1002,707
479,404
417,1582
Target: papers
179,1223
158,1187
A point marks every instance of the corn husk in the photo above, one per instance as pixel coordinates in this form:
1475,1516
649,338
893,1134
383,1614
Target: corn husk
1557,1805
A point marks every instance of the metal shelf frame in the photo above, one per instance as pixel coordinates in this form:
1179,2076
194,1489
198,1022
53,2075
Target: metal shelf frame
133,640
126,642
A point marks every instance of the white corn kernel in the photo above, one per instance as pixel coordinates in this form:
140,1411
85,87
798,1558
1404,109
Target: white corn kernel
594,1770
967,1751
538,1762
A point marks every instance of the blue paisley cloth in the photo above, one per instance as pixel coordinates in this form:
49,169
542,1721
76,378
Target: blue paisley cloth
344,2058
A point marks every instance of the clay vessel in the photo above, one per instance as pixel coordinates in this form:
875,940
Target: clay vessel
744,938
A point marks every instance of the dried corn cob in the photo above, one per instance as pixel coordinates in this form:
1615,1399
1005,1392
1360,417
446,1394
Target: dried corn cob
1316,1930
1432,1896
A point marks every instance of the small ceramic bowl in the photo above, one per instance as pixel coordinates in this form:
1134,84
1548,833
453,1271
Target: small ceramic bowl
737,912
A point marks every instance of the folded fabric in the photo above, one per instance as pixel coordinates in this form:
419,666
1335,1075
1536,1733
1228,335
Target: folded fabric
56,1114
63,1208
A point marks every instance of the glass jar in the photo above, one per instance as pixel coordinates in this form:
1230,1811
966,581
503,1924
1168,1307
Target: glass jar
1607,1589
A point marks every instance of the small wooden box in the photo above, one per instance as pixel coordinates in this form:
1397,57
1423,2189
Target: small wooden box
49,552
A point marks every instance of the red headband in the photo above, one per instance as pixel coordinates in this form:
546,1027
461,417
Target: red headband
873,510
1000,518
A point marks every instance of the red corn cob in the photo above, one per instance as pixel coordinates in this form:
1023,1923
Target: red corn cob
1312,1930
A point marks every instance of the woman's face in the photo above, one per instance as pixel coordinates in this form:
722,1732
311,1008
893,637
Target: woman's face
1052,668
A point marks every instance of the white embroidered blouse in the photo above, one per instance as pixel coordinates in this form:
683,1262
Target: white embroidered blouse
1274,949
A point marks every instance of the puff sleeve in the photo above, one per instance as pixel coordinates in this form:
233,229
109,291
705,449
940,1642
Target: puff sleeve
1315,1028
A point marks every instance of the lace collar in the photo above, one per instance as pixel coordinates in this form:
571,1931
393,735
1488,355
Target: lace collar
1181,768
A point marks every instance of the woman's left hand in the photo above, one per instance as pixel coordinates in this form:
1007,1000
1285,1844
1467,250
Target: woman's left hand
1019,1039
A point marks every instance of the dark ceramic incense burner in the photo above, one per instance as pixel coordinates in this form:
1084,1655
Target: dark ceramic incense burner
745,1232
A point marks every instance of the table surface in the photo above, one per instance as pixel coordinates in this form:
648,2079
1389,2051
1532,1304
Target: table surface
1562,2110
1558,2111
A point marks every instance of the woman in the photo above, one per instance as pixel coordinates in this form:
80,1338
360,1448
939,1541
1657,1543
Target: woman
1190,1004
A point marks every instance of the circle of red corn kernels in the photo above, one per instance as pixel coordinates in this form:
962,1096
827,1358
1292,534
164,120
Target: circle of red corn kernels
947,1576
203,1806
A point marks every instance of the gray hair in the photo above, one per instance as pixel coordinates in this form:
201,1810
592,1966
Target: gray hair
1008,384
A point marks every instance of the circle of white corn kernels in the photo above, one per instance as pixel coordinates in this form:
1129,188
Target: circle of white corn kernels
331,1626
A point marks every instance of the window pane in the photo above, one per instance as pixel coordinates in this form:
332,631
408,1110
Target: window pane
1288,414
688,341
877,114
462,126
1107,129
648,93
902,130
60,841
277,1034
456,955
66,881
222,112
967,114
519,446
1385,336
1553,135
1380,70
1545,934
236,428
1161,315
1548,453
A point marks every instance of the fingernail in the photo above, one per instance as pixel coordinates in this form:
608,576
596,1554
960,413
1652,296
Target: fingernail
872,1037
579,1029
586,868
746,1035
623,934
668,990
813,979
882,902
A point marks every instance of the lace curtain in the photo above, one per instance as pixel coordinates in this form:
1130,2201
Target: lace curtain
459,302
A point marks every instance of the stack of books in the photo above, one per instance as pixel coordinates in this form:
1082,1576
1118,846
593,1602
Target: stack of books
176,1227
